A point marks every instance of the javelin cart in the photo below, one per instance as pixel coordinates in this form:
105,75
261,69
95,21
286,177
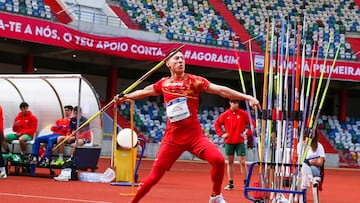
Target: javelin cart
274,187
125,147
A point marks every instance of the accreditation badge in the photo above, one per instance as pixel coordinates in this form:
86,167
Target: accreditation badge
177,109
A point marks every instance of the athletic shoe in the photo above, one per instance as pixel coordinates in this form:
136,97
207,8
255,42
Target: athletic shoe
316,181
70,159
26,159
52,163
3,175
57,162
44,162
217,199
65,175
16,158
229,187
7,156
62,177
33,160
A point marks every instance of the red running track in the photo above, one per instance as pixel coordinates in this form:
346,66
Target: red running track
186,182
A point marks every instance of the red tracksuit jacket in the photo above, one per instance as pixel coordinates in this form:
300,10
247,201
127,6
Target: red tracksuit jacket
234,124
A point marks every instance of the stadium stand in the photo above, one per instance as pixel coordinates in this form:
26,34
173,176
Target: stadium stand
125,18
34,8
323,19
241,34
206,22
57,8
345,137
150,120
182,20
200,22
93,12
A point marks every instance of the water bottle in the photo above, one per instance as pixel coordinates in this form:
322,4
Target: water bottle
89,177
107,176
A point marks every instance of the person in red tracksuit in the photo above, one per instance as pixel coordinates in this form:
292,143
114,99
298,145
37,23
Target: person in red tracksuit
183,130
61,127
24,127
235,122
83,136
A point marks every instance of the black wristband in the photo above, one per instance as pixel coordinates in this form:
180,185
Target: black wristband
120,95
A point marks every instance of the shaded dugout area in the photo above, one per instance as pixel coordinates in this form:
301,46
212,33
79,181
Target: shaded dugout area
46,96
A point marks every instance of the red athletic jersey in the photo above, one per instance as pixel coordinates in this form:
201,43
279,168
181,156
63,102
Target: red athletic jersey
235,123
61,126
189,87
25,124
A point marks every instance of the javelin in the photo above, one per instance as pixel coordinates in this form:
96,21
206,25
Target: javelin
127,90
253,133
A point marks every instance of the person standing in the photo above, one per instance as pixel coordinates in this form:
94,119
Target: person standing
24,127
233,126
183,130
2,163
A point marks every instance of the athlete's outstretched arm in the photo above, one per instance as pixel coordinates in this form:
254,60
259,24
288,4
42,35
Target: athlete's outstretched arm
138,94
232,94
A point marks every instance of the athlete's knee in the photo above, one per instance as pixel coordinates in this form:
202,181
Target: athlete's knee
155,175
242,161
230,163
218,160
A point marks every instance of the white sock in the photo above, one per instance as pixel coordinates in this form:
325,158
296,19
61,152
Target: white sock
61,156
2,169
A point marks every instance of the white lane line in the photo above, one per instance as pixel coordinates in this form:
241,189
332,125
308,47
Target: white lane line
53,198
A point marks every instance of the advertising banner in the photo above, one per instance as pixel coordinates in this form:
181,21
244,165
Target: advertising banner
56,34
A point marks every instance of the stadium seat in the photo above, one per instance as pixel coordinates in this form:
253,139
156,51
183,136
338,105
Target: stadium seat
16,142
181,20
26,7
322,21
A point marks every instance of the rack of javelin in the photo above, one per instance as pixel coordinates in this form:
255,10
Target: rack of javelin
263,188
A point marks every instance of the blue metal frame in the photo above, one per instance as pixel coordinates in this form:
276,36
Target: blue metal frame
248,189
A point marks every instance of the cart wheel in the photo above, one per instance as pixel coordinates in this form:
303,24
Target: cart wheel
258,201
52,172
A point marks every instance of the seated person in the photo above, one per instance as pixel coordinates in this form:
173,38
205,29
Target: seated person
61,127
24,127
314,160
80,138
